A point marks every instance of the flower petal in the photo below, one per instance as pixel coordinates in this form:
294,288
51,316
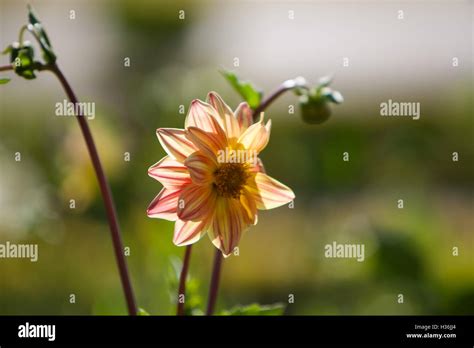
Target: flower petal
256,137
196,202
269,193
209,143
227,225
170,172
257,167
201,167
175,143
243,113
249,207
164,205
188,232
202,115
229,122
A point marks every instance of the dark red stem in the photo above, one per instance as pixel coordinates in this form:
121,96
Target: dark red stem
106,195
182,280
6,67
214,286
267,101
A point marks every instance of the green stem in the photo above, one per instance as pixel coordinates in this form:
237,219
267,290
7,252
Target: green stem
22,34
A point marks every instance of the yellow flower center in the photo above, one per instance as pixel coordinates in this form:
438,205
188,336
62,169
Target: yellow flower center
230,178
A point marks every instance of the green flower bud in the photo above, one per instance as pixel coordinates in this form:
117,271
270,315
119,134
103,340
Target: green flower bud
314,110
314,103
23,60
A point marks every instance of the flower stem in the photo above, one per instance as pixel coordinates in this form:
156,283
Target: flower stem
182,280
106,195
6,67
288,85
214,286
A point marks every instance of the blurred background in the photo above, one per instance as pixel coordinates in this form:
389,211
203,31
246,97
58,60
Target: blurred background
172,61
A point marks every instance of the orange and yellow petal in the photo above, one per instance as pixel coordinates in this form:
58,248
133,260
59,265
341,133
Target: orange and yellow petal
267,192
200,168
170,172
175,143
243,113
249,207
256,137
196,202
208,143
188,232
227,225
228,120
164,205
257,166
203,116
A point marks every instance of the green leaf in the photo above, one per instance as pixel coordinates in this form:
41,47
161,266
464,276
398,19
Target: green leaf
332,96
325,81
37,29
4,81
256,309
142,312
247,91
22,59
9,48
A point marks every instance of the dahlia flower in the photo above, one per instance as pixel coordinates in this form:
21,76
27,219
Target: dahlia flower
213,181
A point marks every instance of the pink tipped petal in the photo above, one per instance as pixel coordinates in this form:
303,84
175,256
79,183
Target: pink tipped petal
164,205
188,232
268,192
175,143
229,122
202,115
170,173
196,202
243,113
201,167
227,225
208,143
257,167
255,138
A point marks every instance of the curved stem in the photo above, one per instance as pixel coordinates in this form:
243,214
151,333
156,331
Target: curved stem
22,33
106,195
214,286
182,280
298,82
